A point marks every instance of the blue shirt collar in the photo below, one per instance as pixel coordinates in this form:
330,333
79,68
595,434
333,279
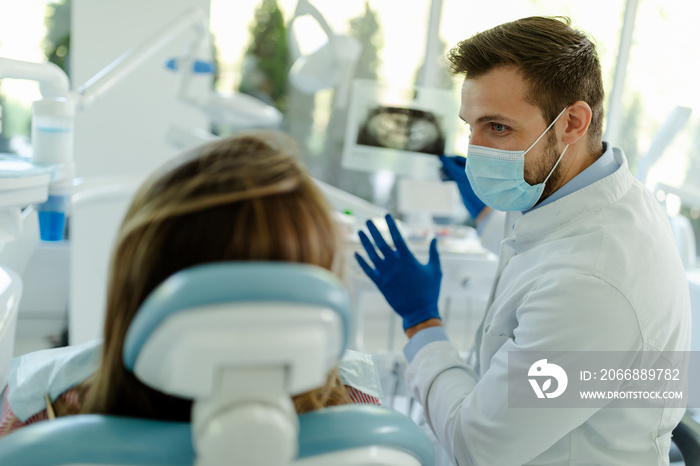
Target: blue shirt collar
604,166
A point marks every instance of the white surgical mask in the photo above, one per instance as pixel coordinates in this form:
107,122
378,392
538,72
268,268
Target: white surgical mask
498,176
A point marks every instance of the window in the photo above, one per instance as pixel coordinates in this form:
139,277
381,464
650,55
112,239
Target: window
22,35
661,77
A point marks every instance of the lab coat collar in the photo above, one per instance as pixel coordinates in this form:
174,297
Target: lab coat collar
544,221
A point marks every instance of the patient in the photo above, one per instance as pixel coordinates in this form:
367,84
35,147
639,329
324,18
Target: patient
245,198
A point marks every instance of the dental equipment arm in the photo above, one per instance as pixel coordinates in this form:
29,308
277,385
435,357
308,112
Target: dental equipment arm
53,82
305,8
132,59
343,201
239,110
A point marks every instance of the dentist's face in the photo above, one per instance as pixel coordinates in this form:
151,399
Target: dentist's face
499,115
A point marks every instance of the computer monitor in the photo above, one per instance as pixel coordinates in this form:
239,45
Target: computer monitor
402,130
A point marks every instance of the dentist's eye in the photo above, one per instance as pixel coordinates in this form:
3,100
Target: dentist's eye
499,130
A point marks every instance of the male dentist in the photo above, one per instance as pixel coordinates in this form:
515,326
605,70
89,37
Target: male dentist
587,264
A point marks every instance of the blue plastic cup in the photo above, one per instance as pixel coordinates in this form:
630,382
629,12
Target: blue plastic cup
52,218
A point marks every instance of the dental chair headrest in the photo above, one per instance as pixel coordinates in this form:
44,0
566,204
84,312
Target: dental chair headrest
240,339
227,282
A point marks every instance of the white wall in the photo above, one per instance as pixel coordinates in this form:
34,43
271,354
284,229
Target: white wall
124,131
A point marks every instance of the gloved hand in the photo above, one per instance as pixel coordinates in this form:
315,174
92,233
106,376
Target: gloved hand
453,166
410,288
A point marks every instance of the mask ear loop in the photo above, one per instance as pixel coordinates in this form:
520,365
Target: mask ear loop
555,165
541,136
545,132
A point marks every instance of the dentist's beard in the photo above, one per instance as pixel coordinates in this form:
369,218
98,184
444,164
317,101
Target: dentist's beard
541,170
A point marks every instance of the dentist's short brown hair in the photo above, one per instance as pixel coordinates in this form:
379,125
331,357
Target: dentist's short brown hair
559,63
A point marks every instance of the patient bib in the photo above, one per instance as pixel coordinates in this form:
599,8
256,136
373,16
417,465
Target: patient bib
54,371
51,372
359,370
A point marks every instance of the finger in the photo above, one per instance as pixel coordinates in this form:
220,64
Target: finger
369,248
379,240
369,271
434,259
396,235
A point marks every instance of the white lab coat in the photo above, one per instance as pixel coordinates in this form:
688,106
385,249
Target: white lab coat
595,270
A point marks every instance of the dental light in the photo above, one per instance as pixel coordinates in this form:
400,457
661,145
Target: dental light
331,65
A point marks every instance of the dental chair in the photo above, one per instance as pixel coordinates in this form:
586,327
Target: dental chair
239,339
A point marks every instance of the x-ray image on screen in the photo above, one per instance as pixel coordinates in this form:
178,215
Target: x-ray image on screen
399,129
405,129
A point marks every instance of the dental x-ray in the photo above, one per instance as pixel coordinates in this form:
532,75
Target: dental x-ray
399,129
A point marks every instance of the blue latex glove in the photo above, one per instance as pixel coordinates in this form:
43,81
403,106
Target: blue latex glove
410,288
453,167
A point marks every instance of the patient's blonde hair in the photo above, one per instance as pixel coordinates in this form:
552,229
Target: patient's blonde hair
245,198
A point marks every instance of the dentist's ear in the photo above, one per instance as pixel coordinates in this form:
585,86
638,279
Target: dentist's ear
578,119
